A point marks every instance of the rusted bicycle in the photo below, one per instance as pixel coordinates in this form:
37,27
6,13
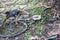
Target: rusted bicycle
15,26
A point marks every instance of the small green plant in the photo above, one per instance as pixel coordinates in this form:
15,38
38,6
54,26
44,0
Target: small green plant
27,35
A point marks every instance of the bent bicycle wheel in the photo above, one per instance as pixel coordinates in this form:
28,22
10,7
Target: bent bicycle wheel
12,29
47,17
51,28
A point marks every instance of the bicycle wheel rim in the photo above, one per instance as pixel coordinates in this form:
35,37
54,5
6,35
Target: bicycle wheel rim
16,34
46,11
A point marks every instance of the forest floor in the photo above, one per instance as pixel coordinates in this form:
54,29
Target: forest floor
36,31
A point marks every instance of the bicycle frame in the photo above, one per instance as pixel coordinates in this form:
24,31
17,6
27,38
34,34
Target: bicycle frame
23,21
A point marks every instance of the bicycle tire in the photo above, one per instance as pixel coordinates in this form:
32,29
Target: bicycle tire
45,11
17,33
47,23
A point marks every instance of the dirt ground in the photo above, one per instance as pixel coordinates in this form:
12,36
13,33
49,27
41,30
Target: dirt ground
52,29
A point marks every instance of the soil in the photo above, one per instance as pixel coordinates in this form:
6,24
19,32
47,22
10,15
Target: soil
51,29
